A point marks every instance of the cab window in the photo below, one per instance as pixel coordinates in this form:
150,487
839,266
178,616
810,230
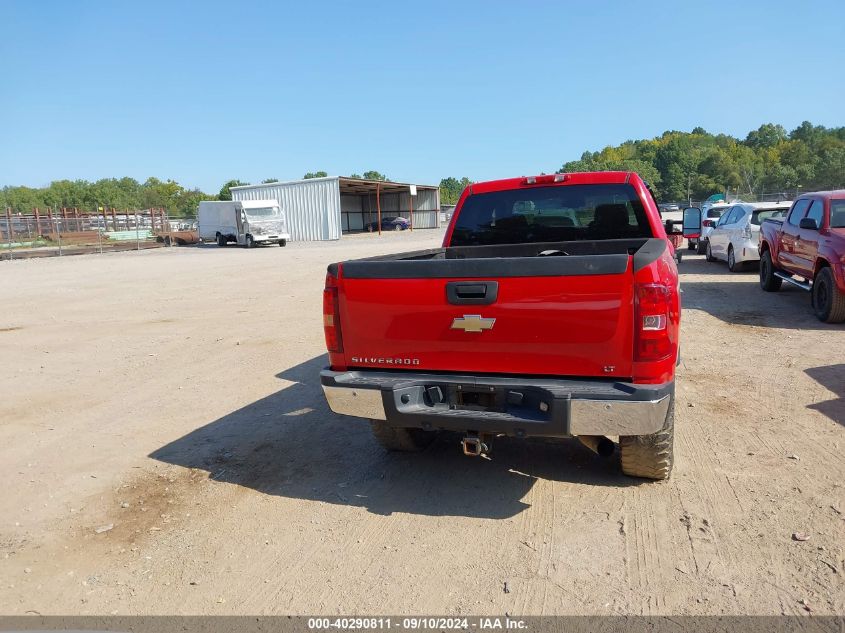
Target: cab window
798,210
816,212
837,214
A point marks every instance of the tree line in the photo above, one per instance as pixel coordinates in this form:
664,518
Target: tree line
697,164
681,166
120,193
678,166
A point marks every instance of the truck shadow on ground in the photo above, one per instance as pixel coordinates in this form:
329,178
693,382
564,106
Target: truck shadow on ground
290,444
833,378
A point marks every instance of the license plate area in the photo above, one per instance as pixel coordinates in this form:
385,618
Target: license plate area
526,403
473,398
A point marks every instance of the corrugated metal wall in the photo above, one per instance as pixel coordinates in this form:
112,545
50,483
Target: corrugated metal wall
312,206
426,207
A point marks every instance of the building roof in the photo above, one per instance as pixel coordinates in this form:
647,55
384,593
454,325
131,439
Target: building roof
353,186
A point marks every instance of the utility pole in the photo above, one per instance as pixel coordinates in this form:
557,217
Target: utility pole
689,195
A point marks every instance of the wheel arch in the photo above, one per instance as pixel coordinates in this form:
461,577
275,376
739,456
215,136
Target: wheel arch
821,262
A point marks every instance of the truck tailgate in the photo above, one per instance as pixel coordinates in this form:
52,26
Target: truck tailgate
562,316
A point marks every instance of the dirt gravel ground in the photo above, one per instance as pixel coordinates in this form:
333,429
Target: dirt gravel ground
165,448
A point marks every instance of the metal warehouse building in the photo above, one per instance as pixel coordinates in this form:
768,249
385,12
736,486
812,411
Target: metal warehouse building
325,208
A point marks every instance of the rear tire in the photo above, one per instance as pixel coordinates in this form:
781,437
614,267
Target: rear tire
650,456
701,247
401,440
397,227
828,301
690,245
250,243
283,242
733,265
221,241
709,255
768,281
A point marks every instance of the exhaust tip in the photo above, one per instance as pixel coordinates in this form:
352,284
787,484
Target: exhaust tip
599,444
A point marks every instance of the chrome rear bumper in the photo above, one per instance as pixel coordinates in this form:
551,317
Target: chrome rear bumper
518,406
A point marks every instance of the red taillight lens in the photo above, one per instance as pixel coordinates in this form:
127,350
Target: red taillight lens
708,223
331,316
651,312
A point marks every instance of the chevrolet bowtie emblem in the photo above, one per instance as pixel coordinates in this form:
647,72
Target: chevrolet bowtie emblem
472,323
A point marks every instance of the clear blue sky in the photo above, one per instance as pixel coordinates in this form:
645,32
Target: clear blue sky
206,91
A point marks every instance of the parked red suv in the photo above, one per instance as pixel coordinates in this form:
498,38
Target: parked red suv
552,310
807,249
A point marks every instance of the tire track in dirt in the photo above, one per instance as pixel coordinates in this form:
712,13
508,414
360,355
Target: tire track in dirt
644,563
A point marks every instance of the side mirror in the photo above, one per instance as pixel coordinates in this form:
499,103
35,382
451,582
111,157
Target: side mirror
692,222
809,223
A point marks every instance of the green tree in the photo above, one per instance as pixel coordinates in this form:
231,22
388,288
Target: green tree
120,193
158,193
315,174
269,180
225,194
451,189
831,168
374,175
187,203
807,133
767,135
698,164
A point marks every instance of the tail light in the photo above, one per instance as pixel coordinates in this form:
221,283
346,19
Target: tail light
708,223
746,232
651,336
331,316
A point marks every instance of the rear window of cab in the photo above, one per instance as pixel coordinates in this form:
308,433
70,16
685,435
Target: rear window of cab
837,214
551,214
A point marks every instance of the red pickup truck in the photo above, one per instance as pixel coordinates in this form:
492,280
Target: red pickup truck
808,250
552,310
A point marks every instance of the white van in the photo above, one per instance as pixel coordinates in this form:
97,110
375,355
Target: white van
245,222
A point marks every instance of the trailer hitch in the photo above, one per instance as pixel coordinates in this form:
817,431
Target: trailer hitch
475,445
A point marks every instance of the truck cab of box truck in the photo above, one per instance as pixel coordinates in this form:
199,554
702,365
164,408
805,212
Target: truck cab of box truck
247,223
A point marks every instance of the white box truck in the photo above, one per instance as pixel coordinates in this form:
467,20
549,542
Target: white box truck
245,222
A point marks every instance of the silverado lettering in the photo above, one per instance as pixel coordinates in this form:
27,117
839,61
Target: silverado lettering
576,273
386,361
